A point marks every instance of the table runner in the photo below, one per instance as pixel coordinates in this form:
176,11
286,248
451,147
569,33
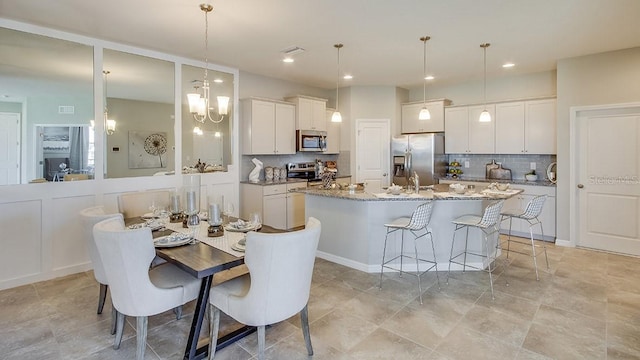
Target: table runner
223,242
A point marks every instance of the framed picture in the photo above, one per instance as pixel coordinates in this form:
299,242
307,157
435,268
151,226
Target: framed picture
147,149
55,139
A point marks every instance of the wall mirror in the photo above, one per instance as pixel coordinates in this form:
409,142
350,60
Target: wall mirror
140,104
207,142
46,104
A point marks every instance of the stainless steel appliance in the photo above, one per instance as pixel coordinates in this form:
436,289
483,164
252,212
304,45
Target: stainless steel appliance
311,140
422,153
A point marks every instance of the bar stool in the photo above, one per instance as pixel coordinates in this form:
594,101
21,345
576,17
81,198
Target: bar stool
418,225
530,214
488,224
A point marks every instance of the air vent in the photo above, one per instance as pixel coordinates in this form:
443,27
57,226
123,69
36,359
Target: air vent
293,50
66,110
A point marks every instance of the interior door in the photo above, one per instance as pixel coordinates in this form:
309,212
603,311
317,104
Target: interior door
373,154
608,182
9,148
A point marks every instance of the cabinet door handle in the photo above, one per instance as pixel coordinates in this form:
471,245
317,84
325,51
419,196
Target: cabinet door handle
580,186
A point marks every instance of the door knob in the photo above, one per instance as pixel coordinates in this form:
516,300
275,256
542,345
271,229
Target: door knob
384,174
580,186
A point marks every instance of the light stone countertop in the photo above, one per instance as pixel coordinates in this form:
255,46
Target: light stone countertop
421,196
513,182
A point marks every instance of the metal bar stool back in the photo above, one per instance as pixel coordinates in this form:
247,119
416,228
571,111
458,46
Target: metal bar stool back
488,224
418,226
530,214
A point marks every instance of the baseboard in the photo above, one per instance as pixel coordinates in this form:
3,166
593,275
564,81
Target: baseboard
44,276
565,243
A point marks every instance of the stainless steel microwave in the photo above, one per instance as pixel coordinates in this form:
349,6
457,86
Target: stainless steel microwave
311,140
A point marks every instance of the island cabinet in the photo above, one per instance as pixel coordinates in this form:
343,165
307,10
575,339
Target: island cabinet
310,112
412,125
464,134
277,206
333,134
268,127
526,127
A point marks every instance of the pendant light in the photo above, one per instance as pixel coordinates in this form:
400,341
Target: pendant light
109,124
199,104
424,113
337,117
484,115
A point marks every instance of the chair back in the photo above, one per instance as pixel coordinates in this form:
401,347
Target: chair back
491,214
534,207
421,216
280,266
52,165
90,217
126,255
136,204
74,177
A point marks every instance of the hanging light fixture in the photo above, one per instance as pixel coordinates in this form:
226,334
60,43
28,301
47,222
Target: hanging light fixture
199,103
109,124
337,117
484,115
424,113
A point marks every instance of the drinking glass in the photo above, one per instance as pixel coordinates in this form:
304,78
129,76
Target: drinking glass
255,219
228,211
193,223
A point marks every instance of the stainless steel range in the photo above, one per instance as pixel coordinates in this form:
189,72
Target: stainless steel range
305,170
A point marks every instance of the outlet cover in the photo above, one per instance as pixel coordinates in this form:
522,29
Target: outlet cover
532,166
466,164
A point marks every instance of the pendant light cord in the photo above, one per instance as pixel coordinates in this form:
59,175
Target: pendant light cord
338,46
424,69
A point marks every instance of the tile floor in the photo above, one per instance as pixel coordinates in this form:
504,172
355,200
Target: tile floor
587,306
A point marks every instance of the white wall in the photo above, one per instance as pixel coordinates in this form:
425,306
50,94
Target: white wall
252,85
606,78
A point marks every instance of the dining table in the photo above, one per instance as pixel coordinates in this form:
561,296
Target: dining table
203,258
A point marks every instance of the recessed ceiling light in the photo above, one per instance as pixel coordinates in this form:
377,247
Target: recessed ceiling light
508,65
429,77
348,77
218,81
288,60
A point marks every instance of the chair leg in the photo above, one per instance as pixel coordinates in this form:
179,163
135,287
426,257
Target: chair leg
384,252
102,297
141,336
544,247
214,326
304,319
435,262
486,245
509,237
119,330
261,342
178,311
401,249
453,241
114,319
415,249
533,252
466,247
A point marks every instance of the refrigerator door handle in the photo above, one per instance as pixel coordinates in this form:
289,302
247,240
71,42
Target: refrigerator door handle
407,165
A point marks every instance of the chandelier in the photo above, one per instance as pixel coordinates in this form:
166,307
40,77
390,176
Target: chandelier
199,102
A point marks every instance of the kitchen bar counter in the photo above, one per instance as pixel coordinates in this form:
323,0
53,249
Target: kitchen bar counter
423,195
488,181
353,228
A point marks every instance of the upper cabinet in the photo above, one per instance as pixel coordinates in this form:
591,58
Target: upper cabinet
268,127
526,127
333,134
310,112
410,112
464,134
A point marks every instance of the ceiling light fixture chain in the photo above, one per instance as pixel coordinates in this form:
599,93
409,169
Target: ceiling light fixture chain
199,104
337,117
485,116
424,112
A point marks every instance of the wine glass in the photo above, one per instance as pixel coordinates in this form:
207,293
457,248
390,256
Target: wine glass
193,223
228,211
255,219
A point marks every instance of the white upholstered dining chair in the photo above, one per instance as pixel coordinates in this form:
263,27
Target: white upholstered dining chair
90,217
136,290
138,203
276,287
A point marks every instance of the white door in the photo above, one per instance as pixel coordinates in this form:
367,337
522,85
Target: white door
607,180
9,148
373,155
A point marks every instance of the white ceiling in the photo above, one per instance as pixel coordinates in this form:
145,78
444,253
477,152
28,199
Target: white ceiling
381,37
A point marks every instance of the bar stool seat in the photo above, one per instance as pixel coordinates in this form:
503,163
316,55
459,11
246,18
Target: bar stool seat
417,225
488,224
531,213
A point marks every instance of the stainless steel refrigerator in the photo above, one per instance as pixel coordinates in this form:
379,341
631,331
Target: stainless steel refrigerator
422,153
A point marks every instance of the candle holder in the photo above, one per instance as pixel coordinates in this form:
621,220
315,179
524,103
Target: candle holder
191,188
176,218
215,230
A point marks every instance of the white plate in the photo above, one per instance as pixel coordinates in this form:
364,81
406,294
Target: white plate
233,227
238,247
175,239
148,216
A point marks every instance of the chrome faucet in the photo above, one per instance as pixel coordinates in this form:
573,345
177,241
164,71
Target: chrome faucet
415,180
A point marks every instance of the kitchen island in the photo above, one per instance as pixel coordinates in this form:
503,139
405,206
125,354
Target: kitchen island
353,228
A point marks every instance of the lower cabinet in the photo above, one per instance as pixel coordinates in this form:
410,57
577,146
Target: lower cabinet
277,207
521,227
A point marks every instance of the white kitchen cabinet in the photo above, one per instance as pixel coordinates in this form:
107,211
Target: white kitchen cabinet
310,113
464,134
277,207
411,124
268,127
333,134
526,127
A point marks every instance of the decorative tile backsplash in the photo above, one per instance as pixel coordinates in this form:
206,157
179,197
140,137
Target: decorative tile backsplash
281,161
519,164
